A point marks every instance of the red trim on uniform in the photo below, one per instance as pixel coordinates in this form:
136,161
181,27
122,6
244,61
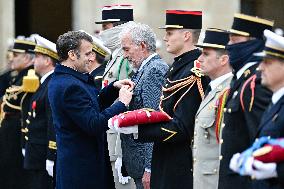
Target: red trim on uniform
199,13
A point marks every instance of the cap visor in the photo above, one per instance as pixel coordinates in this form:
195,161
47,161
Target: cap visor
105,21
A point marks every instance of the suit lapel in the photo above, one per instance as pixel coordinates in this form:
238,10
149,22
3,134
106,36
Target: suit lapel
271,113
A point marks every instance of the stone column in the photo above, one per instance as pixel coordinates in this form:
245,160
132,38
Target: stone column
7,27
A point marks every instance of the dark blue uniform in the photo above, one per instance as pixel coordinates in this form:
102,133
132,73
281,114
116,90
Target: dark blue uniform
80,117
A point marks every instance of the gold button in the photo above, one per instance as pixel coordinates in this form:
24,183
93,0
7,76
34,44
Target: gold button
223,125
225,109
220,157
29,113
27,138
28,121
229,110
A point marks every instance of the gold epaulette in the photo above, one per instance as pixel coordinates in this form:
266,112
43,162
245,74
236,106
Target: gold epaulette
52,145
30,82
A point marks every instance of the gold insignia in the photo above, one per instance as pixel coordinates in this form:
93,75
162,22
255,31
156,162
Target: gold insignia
169,131
262,151
246,73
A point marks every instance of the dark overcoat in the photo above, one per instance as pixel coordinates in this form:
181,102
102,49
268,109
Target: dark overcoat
80,117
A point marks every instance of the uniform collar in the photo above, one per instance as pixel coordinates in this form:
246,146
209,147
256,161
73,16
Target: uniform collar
60,69
216,82
277,95
244,68
43,78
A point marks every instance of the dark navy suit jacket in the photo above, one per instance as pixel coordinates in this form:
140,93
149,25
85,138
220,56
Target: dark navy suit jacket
80,116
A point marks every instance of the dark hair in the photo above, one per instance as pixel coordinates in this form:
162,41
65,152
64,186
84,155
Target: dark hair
100,58
118,23
70,41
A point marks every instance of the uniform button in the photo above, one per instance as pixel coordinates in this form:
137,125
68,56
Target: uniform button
28,121
223,125
221,141
27,138
29,113
225,109
229,110
220,157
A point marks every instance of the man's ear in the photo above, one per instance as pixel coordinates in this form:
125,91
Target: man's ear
187,35
143,46
72,55
224,59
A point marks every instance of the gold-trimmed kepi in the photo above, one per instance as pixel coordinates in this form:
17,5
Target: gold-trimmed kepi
45,47
23,46
250,26
214,38
274,46
182,19
99,47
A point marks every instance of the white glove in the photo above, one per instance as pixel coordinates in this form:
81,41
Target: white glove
23,152
234,165
49,167
263,170
117,166
126,130
110,126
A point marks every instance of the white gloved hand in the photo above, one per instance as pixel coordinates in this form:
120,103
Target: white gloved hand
117,166
263,170
23,152
234,163
126,130
49,167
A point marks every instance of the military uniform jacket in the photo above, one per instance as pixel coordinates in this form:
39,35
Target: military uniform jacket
240,126
40,135
80,118
146,94
206,148
272,124
172,157
98,76
116,69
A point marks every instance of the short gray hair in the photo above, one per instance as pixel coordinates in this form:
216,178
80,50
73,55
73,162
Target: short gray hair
140,33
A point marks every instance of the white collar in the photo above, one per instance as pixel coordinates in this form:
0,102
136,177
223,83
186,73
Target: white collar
146,60
244,68
277,95
216,82
42,79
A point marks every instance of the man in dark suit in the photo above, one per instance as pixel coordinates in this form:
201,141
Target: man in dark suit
138,42
40,145
14,100
80,115
247,98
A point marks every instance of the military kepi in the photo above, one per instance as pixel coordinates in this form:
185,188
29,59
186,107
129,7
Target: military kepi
46,47
274,46
250,26
182,19
116,13
214,38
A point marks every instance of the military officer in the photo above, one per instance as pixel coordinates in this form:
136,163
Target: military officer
113,20
181,97
14,100
271,124
247,98
214,62
97,68
40,146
